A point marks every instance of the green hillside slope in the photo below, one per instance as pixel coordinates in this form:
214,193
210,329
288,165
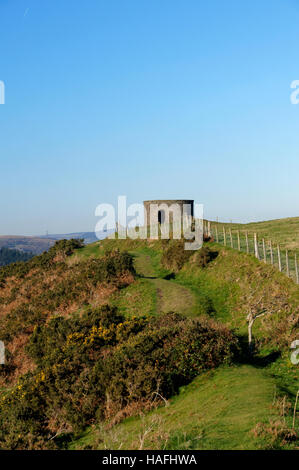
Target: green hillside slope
232,408
101,363
282,231
227,288
218,410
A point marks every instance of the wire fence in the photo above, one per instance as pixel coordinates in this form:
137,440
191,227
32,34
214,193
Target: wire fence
265,250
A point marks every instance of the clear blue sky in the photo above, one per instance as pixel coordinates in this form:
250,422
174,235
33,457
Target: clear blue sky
149,99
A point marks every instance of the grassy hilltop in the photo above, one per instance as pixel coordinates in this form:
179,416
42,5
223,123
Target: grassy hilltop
96,359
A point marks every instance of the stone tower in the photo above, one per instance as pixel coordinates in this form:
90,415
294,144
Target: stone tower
164,205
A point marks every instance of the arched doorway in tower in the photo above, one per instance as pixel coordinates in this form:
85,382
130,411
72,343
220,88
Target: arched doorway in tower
161,217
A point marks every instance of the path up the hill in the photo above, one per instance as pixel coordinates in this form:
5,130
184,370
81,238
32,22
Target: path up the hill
170,295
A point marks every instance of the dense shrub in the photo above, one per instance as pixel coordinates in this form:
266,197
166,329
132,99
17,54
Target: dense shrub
175,256
90,367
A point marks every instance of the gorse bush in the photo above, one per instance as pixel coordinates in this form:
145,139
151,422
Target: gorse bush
40,297
93,366
59,288
175,256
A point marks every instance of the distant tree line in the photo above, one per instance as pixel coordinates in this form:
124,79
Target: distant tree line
8,256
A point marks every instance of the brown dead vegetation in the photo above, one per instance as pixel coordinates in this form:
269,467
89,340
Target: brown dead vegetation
42,293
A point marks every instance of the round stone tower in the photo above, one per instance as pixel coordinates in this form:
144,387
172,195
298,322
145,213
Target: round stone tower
158,214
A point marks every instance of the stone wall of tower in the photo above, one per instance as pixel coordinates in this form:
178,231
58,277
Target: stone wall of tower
168,203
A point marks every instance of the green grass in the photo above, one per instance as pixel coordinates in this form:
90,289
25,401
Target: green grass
169,296
267,233
148,262
174,298
138,299
282,231
233,282
216,411
92,250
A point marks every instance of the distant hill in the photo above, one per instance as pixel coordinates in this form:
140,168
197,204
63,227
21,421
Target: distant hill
39,244
89,237
8,256
35,245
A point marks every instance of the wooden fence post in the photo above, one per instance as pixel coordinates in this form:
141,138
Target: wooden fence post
279,258
256,247
287,263
247,242
231,238
264,251
217,235
224,236
296,269
209,229
239,243
271,252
